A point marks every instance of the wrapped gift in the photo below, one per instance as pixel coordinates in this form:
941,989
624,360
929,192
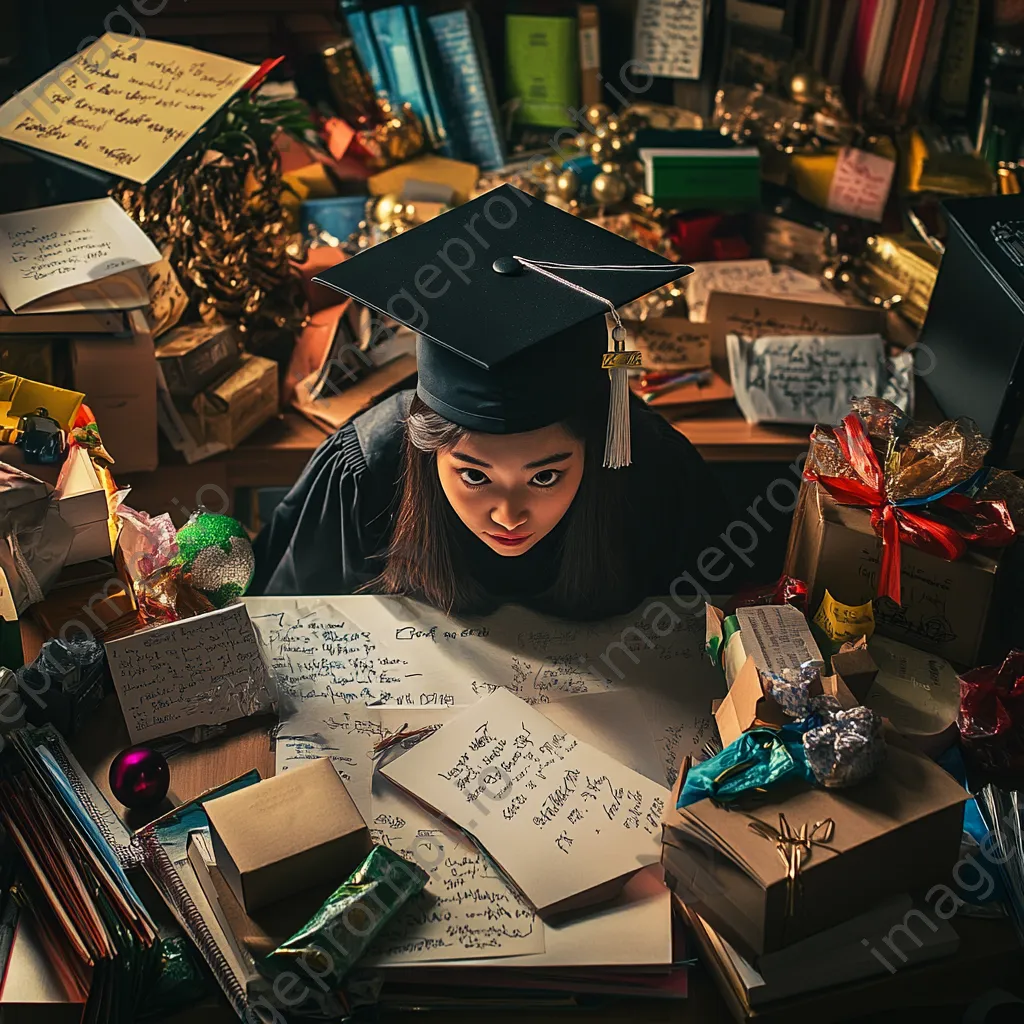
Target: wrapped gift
916,528
991,718
807,858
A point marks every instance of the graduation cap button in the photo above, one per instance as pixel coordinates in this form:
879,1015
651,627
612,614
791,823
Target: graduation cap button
507,265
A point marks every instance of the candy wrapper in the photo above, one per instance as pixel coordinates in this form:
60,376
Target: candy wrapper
146,542
166,596
350,919
923,485
758,759
845,749
991,719
785,590
792,688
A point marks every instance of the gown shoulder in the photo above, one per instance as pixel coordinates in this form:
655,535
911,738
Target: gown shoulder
325,535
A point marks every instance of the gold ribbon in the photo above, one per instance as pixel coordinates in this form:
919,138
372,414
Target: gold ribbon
794,848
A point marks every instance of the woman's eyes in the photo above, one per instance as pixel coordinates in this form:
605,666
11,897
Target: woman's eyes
543,478
546,477
474,477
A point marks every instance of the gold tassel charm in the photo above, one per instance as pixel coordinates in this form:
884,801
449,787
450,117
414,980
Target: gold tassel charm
617,361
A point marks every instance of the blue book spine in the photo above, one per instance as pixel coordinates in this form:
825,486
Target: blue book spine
428,65
397,50
359,26
466,89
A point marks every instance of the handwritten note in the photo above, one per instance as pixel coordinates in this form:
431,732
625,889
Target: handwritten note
334,655
751,277
206,670
125,105
167,298
59,247
670,37
561,818
672,343
467,909
860,185
805,379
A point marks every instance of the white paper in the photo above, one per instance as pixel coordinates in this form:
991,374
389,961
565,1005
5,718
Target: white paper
56,247
206,670
467,908
559,816
670,37
860,185
748,277
123,104
805,378
777,636
337,654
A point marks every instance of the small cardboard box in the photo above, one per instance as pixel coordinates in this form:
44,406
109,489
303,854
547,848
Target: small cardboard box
945,606
195,356
898,831
287,834
230,411
82,501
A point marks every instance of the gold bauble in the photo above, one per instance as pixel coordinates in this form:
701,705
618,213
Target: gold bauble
616,147
567,184
385,208
613,124
599,151
608,189
597,113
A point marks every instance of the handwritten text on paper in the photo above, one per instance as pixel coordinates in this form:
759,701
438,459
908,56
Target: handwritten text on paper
670,37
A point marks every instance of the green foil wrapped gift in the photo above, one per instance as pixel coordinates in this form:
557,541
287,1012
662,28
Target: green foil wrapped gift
340,932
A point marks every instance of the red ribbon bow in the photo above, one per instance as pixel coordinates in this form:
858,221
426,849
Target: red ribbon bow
990,522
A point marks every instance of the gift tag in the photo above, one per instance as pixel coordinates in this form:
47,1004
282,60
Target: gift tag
860,185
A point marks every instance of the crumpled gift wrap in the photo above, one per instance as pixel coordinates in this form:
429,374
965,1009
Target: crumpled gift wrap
926,488
758,759
341,931
846,748
991,718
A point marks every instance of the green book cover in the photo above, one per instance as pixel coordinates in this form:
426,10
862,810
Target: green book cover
541,58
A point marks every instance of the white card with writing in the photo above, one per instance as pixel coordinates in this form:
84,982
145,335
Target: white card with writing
860,185
563,820
123,104
777,636
803,378
669,38
57,247
206,670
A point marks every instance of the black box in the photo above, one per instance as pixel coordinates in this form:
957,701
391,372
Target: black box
974,330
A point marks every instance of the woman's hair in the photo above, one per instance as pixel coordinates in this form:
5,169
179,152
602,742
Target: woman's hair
426,560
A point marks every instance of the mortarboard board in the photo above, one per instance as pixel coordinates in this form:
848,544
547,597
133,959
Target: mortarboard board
509,296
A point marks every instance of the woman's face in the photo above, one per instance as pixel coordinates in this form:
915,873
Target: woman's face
512,489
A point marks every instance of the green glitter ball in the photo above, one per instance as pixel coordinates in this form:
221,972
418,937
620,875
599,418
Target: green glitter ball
216,552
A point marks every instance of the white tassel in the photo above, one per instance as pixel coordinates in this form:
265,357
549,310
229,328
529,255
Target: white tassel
617,440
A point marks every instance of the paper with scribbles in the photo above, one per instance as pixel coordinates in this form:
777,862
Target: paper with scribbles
206,670
333,657
53,248
561,818
669,38
124,105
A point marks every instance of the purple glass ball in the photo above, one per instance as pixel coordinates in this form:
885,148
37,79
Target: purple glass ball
139,777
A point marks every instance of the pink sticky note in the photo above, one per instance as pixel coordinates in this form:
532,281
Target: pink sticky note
860,185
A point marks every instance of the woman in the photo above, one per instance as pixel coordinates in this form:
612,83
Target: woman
488,484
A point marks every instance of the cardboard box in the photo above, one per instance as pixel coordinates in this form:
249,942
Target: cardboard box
231,410
896,832
945,606
118,376
287,834
195,356
671,343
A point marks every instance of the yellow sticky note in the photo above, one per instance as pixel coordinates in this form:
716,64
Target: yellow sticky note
843,622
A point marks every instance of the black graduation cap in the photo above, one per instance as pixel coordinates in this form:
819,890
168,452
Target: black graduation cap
508,295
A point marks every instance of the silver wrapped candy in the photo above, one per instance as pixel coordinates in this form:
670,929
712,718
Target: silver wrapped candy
847,749
792,688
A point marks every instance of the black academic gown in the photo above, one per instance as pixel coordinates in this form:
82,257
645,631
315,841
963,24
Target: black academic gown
329,535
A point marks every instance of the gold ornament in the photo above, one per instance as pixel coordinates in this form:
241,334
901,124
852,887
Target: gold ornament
613,124
567,184
616,147
608,189
385,208
597,113
599,151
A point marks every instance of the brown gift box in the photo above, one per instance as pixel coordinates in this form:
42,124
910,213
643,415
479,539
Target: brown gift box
945,606
287,834
898,831
195,356
243,401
